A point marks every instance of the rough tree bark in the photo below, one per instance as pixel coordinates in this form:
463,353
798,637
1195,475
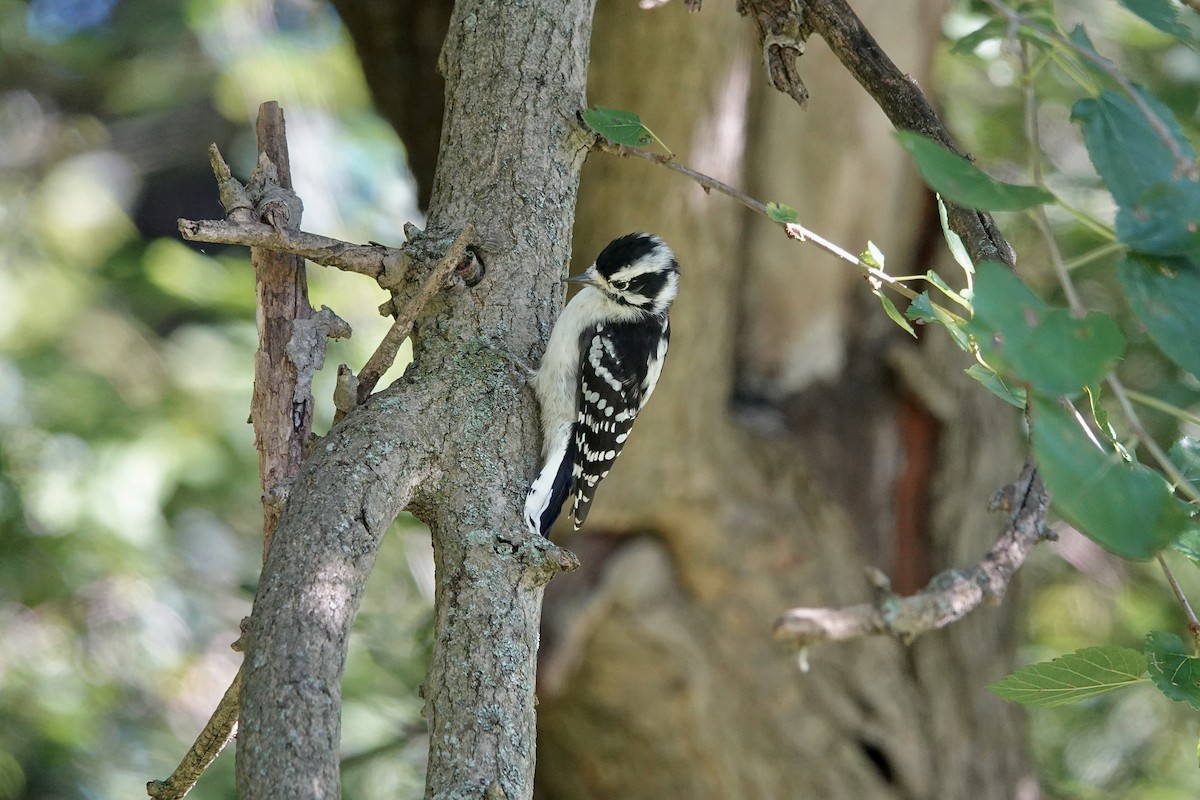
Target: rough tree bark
849,445
454,441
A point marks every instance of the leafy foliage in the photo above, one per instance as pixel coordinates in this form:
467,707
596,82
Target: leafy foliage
620,127
1045,347
1162,14
1076,676
1129,277
1126,507
960,181
782,213
1162,295
1173,671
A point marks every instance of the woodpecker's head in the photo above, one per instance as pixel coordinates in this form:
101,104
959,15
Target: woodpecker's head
636,270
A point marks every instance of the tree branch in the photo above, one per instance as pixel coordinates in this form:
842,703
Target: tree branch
248,225
951,594
384,264
217,733
315,572
282,417
794,230
383,357
896,94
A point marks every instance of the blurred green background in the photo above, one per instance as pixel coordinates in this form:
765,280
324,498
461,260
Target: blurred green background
129,515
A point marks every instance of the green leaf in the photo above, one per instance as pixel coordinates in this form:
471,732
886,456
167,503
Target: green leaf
782,213
622,127
1079,36
1046,347
945,289
1165,298
1163,220
873,255
1076,676
996,385
1185,454
1188,543
1124,507
1124,148
960,181
1162,14
922,309
955,243
895,314
1173,671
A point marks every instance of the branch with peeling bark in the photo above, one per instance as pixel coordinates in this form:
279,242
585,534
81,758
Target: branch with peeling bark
386,265
951,594
255,222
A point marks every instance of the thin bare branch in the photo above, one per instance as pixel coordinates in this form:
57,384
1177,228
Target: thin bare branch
384,264
219,732
385,354
793,229
950,596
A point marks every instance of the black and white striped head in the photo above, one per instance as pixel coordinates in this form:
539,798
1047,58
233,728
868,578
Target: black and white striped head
637,270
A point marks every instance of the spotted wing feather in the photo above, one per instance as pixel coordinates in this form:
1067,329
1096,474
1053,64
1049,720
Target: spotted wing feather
612,391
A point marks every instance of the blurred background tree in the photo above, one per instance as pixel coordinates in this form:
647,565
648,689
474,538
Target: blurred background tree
129,515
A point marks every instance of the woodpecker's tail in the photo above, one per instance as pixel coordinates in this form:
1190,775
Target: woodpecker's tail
553,484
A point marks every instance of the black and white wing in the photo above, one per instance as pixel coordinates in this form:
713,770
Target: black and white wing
619,368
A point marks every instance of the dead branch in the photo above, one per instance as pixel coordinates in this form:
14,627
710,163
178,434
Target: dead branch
951,594
220,731
385,354
383,264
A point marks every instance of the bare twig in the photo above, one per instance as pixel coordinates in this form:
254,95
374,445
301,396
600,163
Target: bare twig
248,225
1033,134
282,419
793,229
384,264
947,598
385,354
291,345
220,731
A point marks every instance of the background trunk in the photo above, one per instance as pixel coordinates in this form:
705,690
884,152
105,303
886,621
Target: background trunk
797,436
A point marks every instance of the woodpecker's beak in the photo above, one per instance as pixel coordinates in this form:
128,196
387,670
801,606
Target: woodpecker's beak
588,276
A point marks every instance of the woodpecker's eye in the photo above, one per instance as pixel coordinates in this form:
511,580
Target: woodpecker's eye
620,285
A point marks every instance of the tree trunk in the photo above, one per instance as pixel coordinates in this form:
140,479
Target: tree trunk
797,436
455,441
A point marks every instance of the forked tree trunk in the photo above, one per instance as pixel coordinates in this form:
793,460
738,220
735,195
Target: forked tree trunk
797,436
